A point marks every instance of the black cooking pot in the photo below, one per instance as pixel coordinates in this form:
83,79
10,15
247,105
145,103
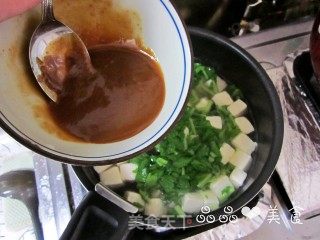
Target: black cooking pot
97,218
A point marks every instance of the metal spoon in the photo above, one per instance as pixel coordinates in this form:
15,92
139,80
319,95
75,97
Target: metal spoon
114,198
49,30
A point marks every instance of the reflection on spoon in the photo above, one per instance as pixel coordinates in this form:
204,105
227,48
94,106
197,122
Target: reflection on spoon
48,31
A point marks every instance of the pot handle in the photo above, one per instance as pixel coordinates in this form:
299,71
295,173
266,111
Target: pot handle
97,218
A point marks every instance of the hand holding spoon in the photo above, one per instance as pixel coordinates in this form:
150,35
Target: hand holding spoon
49,31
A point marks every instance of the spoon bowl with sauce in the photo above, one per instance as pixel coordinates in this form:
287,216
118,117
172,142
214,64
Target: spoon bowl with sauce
49,31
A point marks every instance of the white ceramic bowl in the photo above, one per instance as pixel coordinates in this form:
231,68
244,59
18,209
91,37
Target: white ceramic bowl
162,31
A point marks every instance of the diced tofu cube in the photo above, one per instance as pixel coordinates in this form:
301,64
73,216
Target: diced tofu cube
210,200
204,105
215,121
241,160
222,188
222,99
221,84
244,125
100,169
127,171
192,202
155,207
135,199
237,177
237,108
226,152
111,177
244,143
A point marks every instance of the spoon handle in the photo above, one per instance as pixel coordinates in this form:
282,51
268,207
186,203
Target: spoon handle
47,10
114,198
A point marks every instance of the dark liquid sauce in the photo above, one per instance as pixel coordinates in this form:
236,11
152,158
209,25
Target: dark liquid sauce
120,97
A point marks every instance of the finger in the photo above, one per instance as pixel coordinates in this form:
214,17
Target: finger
10,8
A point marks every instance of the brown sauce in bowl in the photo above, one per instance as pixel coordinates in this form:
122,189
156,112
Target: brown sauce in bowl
120,97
